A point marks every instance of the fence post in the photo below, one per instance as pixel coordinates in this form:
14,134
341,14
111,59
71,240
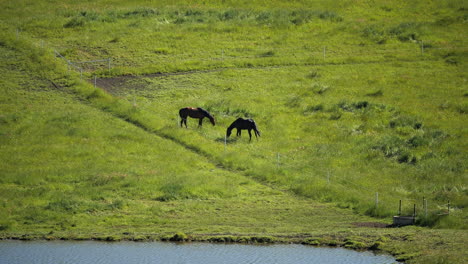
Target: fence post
414,213
448,207
109,63
424,203
399,209
94,81
225,142
278,159
425,207
376,199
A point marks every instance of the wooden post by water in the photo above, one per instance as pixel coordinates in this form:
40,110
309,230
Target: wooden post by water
448,207
399,209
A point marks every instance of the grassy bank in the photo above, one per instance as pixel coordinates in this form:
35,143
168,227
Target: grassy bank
353,101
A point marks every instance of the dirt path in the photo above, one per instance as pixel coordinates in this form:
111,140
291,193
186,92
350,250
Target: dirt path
113,84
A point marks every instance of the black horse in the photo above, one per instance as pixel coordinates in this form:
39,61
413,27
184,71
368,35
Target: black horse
241,124
199,113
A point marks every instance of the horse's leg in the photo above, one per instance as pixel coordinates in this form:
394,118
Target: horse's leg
183,113
250,134
200,122
239,132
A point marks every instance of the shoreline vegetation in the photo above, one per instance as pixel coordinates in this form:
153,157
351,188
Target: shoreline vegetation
401,244
360,105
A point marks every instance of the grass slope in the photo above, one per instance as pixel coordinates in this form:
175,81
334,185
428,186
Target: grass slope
354,99
73,171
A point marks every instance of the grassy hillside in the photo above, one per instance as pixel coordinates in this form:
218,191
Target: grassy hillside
355,100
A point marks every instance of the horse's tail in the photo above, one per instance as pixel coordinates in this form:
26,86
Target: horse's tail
183,112
257,133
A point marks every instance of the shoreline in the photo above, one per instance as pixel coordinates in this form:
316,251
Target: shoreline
182,238
324,240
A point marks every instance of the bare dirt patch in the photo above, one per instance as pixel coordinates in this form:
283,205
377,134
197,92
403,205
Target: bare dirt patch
115,84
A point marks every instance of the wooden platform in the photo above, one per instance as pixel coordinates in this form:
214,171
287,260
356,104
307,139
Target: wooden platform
403,220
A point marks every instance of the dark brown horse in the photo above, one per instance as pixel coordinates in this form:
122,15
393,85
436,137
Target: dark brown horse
241,124
199,113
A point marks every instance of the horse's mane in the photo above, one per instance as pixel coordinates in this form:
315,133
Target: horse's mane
205,113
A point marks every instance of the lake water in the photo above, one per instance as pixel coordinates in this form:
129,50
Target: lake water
76,252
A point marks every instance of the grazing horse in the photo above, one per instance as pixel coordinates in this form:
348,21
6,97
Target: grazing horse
241,124
199,113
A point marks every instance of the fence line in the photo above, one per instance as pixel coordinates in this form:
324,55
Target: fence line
76,66
324,53
421,205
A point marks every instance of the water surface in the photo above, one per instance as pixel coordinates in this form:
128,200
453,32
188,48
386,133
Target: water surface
77,252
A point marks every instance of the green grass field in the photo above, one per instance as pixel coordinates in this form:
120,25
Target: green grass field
355,101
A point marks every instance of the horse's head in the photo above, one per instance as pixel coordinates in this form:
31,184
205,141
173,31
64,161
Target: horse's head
228,132
206,114
212,120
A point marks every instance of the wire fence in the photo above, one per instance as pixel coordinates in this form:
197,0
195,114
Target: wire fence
423,207
305,55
